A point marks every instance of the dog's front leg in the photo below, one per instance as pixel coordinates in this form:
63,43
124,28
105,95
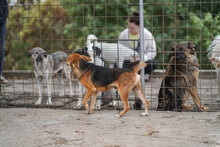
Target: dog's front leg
93,100
139,92
85,99
80,97
124,97
68,73
40,85
196,99
71,88
60,77
98,102
184,105
49,85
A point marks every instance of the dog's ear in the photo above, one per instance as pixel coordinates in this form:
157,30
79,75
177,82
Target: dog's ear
70,61
97,50
82,51
172,52
192,47
45,54
29,53
85,48
78,51
86,58
85,51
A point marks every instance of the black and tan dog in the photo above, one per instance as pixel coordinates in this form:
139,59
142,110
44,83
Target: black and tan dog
97,78
180,80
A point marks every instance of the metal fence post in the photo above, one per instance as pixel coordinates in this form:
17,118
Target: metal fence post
142,42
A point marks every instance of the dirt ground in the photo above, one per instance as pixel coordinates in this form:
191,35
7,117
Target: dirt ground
66,127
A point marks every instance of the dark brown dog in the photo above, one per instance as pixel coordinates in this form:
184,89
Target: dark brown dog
180,80
97,78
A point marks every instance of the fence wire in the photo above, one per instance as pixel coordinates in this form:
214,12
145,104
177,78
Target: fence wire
63,25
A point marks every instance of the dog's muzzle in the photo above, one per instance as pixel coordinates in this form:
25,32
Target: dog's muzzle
39,59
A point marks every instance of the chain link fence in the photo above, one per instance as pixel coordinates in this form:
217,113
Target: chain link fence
63,25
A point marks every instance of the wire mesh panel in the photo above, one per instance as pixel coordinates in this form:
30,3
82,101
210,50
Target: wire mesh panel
65,25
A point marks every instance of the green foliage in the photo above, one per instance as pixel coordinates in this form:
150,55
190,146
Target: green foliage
65,26
105,19
202,34
34,25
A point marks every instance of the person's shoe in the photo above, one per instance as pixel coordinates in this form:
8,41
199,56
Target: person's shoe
3,80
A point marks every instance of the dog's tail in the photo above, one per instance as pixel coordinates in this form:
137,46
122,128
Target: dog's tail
90,39
137,65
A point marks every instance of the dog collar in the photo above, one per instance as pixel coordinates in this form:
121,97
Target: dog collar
73,66
82,74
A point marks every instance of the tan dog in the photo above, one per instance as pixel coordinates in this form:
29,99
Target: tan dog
97,78
180,81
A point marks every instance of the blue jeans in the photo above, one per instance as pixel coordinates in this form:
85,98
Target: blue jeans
2,40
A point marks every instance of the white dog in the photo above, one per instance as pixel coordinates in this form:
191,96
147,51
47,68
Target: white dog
112,52
45,66
94,54
214,53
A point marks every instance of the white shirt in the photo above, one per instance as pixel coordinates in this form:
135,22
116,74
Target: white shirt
149,43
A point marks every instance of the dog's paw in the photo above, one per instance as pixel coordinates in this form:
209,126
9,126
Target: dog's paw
187,107
190,107
117,115
71,94
49,103
78,107
144,114
113,103
61,94
204,108
91,111
38,102
97,107
86,112
79,104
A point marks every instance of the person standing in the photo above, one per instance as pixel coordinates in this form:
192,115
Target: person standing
130,38
3,23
